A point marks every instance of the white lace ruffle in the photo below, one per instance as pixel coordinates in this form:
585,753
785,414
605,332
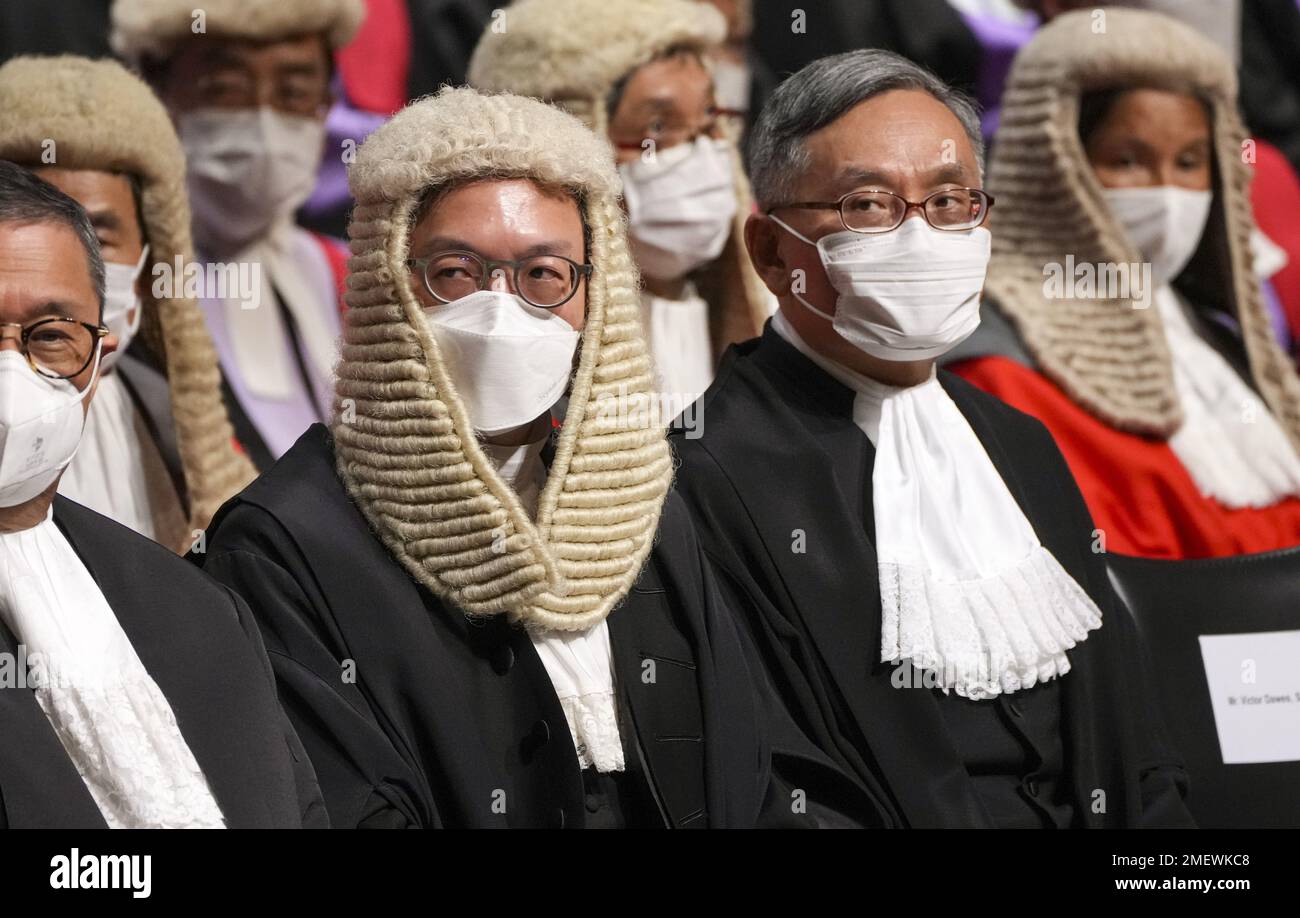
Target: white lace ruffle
125,742
985,637
593,722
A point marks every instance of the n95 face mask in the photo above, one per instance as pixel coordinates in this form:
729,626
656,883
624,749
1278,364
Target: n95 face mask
680,207
510,361
1164,222
120,300
41,420
909,294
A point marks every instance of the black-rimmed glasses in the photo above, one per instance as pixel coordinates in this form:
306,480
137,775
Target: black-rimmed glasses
58,347
544,281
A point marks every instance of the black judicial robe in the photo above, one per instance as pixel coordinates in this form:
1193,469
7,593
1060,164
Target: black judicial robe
414,716
779,459
198,641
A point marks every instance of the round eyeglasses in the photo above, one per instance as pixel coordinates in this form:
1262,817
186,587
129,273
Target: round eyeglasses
60,347
951,210
544,281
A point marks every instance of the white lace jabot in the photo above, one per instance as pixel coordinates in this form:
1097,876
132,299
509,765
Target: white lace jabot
1230,443
109,714
580,663
967,591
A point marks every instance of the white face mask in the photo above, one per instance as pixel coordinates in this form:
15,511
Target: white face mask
510,361
246,170
1164,222
910,294
122,308
680,207
40,427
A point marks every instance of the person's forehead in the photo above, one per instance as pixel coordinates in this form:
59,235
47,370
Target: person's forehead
477,210
44,268
91,187
900,132
674,81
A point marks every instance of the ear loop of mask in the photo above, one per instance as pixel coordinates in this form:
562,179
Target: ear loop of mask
802,238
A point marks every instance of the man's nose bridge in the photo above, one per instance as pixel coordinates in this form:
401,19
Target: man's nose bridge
499,280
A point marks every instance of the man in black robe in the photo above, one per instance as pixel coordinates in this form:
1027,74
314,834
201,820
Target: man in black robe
911,555
134,691
478,618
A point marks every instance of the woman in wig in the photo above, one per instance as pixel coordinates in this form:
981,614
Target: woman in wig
1122,308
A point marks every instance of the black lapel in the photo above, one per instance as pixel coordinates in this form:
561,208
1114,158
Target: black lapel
180,645
39,785
657,672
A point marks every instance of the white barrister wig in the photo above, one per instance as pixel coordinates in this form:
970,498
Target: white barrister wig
152,28
405,443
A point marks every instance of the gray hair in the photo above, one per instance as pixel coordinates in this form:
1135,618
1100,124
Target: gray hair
823,91
24,198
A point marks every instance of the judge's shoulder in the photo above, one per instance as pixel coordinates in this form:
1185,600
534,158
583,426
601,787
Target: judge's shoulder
128,566
301,491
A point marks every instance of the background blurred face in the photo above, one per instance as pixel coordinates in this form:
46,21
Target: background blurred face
109,202
290,75
44,273
903,141
668,101
1152,137
505,220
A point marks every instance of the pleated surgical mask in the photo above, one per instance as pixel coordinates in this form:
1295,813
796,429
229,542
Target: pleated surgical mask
680,207
1164,222
246,169
909,294
122,306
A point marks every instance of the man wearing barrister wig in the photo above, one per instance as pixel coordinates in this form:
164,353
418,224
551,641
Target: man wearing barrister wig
638,72
1121,149
248,84
910,553
479,620
158,453
134,691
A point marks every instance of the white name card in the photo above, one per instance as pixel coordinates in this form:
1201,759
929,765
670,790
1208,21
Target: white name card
1254,684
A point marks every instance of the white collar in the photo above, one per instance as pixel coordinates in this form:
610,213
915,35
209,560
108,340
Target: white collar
968,593
1230,443
114,722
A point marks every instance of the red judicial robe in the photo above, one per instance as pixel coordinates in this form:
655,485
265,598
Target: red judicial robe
1137,490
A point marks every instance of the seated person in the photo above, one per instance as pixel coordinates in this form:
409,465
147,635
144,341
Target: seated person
1122,309
142,697
910,554
477,618
158,453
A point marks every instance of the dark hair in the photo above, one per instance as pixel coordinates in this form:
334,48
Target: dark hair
823,91
1096,104
24,198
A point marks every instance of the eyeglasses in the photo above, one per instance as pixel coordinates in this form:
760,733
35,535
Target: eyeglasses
666,133
544,281
58,348
951,210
